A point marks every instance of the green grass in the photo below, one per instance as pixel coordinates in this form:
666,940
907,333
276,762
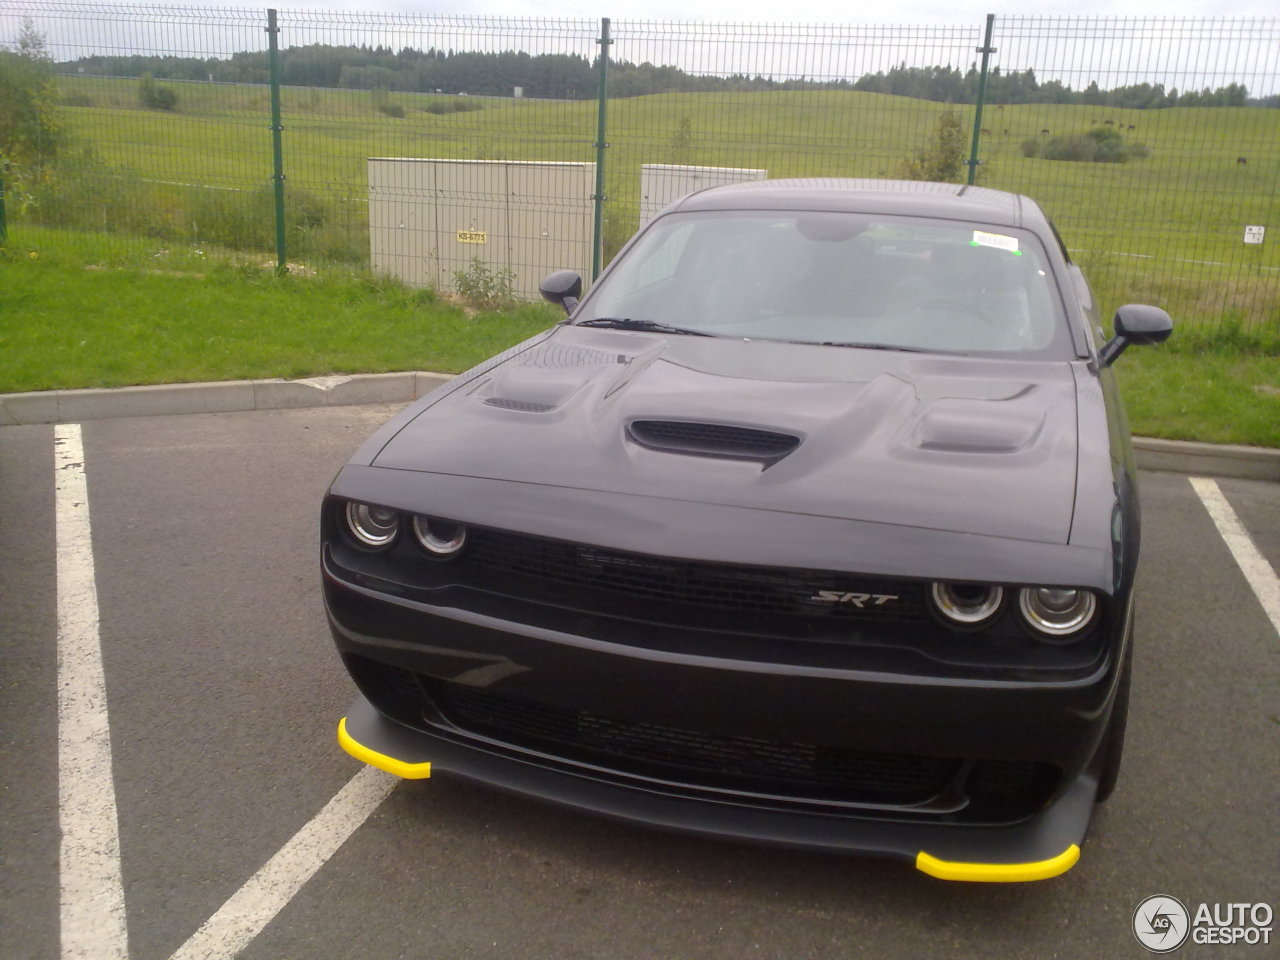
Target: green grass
152,313
1201,395
1168,228
78,312
1164,230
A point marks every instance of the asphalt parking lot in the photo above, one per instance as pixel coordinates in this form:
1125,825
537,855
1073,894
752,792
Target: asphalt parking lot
223,692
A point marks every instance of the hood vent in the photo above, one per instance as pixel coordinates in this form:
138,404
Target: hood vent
712,439
524,406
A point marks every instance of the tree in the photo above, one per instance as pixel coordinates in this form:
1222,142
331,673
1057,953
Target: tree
943,158
30,132
681,141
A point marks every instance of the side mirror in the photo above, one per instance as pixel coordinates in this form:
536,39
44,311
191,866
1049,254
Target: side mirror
1136,323
563,287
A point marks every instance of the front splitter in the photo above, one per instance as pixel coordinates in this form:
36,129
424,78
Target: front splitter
1041,847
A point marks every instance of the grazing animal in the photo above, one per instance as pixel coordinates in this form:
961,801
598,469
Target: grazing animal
984,130
1109,123
1044,133
1131,126
1242,160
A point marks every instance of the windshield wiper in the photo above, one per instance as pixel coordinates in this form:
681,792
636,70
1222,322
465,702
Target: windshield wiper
626,323
875,346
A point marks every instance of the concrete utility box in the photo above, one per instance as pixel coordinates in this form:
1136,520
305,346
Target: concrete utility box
663,183
430,218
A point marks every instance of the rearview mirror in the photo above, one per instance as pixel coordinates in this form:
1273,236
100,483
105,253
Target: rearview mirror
563,287
1136,323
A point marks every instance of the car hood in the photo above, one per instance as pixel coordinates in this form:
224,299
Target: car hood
960,444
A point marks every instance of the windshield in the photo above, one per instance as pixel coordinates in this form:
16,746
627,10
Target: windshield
905,283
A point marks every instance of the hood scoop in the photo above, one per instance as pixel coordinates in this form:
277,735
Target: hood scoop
524,406
712,439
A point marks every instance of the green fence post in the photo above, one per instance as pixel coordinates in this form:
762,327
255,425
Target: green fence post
4,231
277,151
986,50
597,241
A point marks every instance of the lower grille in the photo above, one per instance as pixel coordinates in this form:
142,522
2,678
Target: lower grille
752,764
997,791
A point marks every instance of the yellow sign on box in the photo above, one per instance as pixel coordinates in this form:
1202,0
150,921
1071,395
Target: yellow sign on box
473,236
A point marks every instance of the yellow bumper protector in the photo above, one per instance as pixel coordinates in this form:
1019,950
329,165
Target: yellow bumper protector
408,771
998,872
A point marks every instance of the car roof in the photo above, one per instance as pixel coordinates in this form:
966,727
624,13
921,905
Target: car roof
917,198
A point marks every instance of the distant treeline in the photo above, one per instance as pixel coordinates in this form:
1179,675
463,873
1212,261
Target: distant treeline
572,77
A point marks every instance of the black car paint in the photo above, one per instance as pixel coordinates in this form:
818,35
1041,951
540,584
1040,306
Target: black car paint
921,467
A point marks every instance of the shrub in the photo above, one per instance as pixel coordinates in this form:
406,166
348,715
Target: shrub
453,105
1099,145
392,110
1031,147
155,97
483,286
943,158
1077,148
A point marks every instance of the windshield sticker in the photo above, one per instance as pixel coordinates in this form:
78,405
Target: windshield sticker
997,240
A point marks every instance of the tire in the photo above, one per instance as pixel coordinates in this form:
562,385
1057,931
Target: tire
1113,739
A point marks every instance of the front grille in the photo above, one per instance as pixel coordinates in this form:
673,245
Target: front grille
802,770
712,439
714,586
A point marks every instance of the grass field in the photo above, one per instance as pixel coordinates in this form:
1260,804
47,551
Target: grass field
151,312
163,279
1169,227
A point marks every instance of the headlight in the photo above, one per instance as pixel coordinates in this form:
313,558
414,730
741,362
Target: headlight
373,527
967,605
1057,611
443,538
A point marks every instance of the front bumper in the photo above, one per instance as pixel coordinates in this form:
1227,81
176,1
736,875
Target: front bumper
1015,721
1042,847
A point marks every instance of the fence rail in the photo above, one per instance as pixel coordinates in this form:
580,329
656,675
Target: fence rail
1150,141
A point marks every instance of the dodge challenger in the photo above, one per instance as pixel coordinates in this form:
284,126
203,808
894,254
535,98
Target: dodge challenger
813,523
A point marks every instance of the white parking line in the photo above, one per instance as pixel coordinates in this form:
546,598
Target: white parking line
252,907
92,916
1252,563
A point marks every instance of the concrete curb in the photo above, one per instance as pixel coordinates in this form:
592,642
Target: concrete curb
73,406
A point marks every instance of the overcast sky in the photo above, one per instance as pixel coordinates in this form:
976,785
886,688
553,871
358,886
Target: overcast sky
805,11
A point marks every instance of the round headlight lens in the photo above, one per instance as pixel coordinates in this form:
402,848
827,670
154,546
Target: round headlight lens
372,526
443,538
968,605
1057,611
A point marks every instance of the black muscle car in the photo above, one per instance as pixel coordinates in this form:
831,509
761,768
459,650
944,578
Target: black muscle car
813,524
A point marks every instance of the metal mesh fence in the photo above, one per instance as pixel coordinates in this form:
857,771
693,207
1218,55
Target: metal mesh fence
477,153
184,159
779,101
1169,225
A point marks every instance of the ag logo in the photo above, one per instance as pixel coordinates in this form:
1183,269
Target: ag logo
1161,923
